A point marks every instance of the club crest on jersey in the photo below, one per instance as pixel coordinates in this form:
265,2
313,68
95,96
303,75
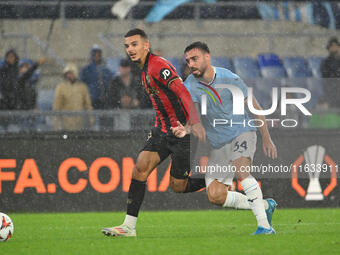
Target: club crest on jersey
165,73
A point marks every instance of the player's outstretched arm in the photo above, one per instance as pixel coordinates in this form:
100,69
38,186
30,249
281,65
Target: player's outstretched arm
269,147
193,119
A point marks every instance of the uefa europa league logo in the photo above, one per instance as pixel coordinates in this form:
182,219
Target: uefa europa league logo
314,161
314,155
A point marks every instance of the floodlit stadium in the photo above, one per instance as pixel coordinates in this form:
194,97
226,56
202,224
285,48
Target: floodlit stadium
169,127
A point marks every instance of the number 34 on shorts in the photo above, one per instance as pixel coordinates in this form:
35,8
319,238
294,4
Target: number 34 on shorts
244,145
240,147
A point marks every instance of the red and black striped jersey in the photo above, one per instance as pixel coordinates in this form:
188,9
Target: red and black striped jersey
169,96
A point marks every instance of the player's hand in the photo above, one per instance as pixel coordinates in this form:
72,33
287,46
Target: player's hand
269,148
179,131
198,130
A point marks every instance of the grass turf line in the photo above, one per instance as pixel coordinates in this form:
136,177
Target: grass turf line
299,231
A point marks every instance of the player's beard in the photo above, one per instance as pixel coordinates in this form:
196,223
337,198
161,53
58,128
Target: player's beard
201,70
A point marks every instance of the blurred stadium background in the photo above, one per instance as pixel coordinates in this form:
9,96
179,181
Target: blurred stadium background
267,43
48,168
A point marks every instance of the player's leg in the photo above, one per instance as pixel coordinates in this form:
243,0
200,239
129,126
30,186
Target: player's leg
239,201
186,185
252,190
154,152
180,167
218,183
218,189
243,151
146,163
219,194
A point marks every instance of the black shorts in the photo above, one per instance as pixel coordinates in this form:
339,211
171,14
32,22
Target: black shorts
168,144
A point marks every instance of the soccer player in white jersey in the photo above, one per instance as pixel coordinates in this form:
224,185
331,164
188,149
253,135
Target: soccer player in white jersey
235,143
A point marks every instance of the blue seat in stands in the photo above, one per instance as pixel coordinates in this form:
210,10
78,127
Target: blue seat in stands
246,67
222,62
1,62
314,64
296,67
45,99
268,60
270,66
113,64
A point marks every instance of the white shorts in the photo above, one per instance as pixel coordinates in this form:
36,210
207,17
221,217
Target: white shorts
220,160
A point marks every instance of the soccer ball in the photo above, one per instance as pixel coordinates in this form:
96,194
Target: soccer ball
6,227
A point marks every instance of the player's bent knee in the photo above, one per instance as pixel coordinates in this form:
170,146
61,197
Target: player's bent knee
140,172
146,163
139,169
217,193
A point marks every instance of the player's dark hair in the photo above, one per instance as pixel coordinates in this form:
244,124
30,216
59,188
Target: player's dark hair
198,45
136,31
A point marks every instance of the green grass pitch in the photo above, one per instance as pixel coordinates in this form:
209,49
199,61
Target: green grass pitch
299,231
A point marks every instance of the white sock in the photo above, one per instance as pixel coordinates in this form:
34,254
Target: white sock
266,205
130,221
255,199
236,200
239,201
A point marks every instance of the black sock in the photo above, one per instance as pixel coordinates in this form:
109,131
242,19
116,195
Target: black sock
194,184
135,197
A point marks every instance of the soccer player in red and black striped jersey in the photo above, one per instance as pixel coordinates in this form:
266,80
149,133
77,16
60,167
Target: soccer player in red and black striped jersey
173,105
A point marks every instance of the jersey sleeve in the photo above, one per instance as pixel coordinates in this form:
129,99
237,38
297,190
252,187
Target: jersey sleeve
164,71
191,88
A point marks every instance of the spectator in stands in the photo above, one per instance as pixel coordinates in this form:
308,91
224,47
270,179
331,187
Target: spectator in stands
27,95
71,95
12,82
330,70
97,77
124,91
